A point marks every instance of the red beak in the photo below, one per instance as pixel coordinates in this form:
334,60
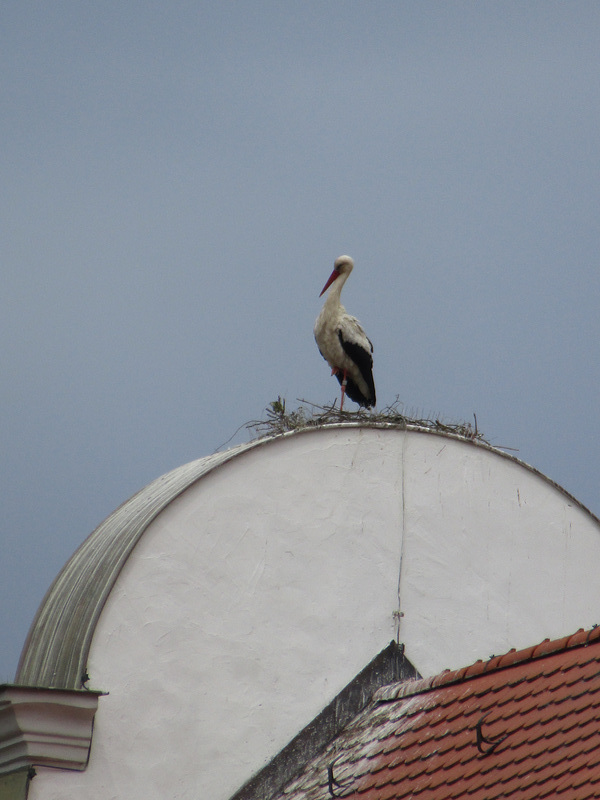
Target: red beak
335,274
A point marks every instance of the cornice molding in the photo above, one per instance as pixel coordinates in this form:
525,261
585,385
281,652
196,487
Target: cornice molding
45,727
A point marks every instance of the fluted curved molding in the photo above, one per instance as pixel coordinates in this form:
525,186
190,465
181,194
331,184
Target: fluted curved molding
57,646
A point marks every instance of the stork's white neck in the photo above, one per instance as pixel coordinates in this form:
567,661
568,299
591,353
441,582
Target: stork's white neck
335,290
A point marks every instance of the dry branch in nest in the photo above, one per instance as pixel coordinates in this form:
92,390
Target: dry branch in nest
311,415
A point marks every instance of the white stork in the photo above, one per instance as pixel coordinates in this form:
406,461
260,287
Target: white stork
343,343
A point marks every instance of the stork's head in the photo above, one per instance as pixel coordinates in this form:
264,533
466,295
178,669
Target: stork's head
342,266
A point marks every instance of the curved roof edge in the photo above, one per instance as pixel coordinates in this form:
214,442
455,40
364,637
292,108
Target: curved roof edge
56,649
57,645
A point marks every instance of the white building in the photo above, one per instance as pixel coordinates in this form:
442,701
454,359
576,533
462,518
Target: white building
210,618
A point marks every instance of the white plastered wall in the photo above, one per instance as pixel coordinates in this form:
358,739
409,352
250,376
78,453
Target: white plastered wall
262,590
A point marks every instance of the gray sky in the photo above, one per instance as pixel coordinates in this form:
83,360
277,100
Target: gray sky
177,182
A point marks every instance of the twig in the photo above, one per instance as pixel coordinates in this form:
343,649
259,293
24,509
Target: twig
309,415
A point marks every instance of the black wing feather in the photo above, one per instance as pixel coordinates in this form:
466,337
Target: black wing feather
364,361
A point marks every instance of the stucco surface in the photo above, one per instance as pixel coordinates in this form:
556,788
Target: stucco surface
259,592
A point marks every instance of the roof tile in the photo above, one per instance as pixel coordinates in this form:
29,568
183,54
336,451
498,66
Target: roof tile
419,739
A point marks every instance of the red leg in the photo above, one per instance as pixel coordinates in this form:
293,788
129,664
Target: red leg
344,383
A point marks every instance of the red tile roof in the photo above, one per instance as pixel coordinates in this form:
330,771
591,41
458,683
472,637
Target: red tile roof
524,725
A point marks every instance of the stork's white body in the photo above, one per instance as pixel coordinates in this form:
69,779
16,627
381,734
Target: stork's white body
331,322
342,341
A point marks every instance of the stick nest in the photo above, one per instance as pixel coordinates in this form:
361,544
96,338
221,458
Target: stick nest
311,415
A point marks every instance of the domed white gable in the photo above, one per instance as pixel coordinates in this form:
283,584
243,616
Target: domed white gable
264,580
